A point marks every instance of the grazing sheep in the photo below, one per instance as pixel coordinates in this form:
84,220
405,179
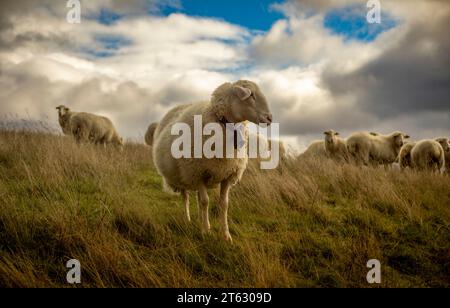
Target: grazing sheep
335,146
87,127
428,155
367,148
444,142
315,149
404,156
230,103
150,133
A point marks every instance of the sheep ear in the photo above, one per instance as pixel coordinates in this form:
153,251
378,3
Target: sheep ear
406,136
336,133
242,93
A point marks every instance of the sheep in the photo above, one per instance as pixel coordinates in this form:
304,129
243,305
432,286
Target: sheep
150,133
444,142
404,156
86,127
315,149
335,146
367,148
230,103
428,155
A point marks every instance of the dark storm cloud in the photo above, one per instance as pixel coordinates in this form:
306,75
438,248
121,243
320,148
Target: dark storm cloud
411,77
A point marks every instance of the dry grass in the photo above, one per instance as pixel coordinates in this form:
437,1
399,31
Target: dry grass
306,224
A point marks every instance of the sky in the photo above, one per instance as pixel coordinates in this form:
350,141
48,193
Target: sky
319,62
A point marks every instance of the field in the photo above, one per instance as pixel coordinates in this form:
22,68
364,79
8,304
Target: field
308,223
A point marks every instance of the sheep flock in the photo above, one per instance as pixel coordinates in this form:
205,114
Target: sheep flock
244,102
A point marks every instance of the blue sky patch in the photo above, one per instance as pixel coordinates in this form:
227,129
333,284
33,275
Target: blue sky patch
251,14
107,45
108,17
350,22
112,42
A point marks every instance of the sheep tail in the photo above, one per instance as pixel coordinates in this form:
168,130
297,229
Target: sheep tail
150,135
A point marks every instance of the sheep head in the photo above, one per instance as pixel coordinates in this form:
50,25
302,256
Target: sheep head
444,143
241,101
62,110
331,136
398,139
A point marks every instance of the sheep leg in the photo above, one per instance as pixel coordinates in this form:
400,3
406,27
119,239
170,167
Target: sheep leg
186,204
204,203
223,205
199,208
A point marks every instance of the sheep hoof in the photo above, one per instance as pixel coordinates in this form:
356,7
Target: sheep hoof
227,237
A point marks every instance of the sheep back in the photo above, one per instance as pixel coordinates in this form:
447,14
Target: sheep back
365,147
428,155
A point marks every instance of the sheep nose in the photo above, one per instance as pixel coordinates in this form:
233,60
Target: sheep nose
269,118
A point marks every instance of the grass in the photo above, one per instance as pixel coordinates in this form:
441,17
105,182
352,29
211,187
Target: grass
306,224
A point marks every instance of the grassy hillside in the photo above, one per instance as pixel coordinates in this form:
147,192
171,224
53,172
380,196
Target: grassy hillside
306,224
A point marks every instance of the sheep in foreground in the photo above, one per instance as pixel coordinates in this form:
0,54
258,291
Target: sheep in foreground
428,155
335,146
230,103
87,127
316,149
404,157
444,142
150,133
367,148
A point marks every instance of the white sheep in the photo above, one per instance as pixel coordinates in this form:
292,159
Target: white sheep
230,103
335,146
367,148
315,149
87,127
428,155
404,156
150,133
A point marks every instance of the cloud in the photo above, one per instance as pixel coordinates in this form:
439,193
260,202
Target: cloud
182,61
408,77
137,65
401,80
